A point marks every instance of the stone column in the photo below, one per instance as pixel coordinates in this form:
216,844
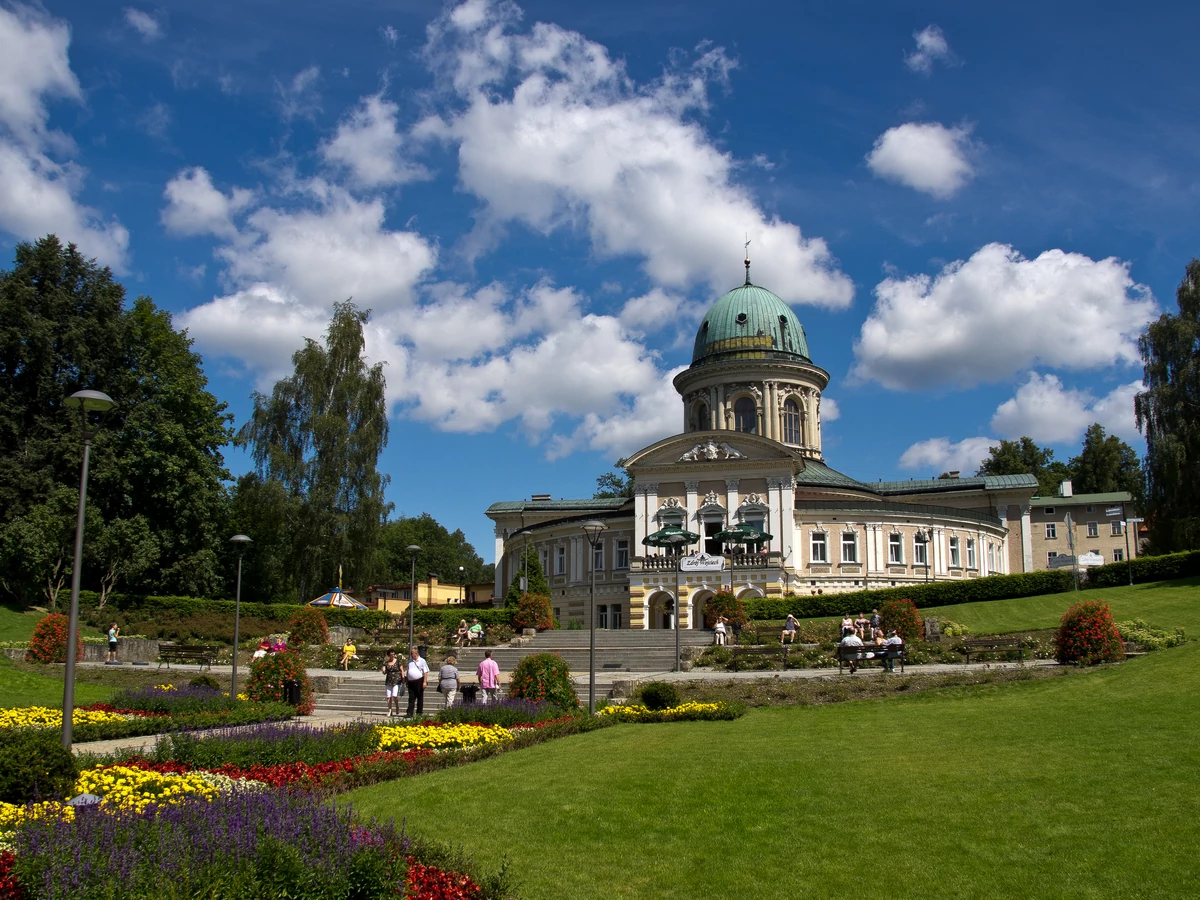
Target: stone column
499,588
787,519
693,488
1026,539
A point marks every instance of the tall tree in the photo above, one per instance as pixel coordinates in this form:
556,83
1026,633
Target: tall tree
442,552
1168,414
1106,463
612,485
536,582
1024,457
320,434
261,509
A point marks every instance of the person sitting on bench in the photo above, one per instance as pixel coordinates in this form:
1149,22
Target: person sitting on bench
894,642
475,632
349,652
790,627
852,640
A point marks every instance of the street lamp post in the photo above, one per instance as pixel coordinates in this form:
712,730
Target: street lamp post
592,529
98,404
413,549
462,578
241,540
1128,558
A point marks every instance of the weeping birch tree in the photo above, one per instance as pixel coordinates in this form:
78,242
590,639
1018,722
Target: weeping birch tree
319,435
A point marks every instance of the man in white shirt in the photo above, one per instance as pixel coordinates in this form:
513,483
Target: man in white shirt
893,642
850,640
416,674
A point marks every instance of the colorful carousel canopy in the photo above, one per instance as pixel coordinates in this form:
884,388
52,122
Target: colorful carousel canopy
337,599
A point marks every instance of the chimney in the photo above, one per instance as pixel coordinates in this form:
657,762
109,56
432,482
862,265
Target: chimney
1065,489
954,473
536,497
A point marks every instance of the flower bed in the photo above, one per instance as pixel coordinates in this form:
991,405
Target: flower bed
433,736
692,711
44,717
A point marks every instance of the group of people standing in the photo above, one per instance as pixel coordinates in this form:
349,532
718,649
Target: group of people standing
413,677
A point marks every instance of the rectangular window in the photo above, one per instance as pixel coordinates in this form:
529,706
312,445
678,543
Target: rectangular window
1091,509
598,557
560,561
1118,555
1051,554
1116,527
991,557
895,549
970,553
849,547
614,615
602,616
622,555
544,556
1049,510
1093,529
820,553
1051,531
955,559
920,551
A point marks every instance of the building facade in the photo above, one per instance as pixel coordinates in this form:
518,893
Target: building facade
750,454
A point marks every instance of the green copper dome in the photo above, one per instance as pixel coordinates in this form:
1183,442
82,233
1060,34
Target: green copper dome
749,323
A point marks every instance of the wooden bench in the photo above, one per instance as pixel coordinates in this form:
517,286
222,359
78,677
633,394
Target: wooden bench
994,645
202,654
392,636
778,651
869,653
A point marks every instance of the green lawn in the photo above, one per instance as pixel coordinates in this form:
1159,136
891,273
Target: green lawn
1162,603
16,625
22,688
1070,787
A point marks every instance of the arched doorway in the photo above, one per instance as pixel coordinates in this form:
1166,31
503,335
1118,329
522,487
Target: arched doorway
750,593
700,599
662,610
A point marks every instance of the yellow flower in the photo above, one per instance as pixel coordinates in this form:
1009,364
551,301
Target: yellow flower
136,789
44,717
440,737
12,814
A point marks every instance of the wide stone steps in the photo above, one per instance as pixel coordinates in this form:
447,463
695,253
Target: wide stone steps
358,696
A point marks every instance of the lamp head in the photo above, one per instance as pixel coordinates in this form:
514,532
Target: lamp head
93,404
592,529
413,549
240,539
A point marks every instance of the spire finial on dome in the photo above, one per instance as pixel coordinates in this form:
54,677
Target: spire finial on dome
747,249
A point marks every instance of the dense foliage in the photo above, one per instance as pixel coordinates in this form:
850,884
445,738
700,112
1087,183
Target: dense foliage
34,765
156,488
267,677
543,677
533,611
1087,635
308,626
48,643
658,695
1167,414
723,603
1024,457
531,571
442,552
1148,637
506,712
901,616
1167,567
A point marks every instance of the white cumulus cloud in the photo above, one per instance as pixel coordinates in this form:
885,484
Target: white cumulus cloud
993,315
932,47
941,454
553,133
195,206
146,25
1050,413
368,144
653,414
925,156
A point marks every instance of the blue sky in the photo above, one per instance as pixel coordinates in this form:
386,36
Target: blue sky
973,210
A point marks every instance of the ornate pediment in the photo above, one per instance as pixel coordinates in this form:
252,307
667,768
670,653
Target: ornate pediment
709,450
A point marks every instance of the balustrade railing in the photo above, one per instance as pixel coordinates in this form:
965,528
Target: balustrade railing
735,561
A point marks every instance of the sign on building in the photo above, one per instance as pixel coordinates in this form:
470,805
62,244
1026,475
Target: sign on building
1091,559
1113,511
702,562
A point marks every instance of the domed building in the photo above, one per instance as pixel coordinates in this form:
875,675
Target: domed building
747,475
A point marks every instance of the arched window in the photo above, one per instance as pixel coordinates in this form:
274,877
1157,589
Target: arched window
791,422
745,416
702,420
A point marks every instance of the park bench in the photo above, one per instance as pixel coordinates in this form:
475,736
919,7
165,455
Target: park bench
994,645
201,654
869,653
776,652
370,659
390,636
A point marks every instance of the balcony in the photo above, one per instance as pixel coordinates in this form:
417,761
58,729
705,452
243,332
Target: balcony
736,561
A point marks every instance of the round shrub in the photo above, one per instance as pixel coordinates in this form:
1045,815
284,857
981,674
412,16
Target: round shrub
659,695
34,766
723,603
533,611
268,674
308,626
544,677
49,641
902,617
1088,635
205,681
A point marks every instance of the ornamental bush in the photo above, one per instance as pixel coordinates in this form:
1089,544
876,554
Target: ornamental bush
533,611
1088,635
1148,637
268,674
723,603
902,616
308,627
34,766
659,695
544,677
49,641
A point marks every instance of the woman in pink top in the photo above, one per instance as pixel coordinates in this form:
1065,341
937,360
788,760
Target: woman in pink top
489,678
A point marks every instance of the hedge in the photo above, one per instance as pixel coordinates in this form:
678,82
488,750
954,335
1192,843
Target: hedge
925,596
449,618
1146,568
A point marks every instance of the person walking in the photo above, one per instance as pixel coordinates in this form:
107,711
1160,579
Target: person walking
416,677
448,680
489,678
393,681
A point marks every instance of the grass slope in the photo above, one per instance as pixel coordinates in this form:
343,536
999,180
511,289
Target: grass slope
1082,787
16,625
1162,603
23,688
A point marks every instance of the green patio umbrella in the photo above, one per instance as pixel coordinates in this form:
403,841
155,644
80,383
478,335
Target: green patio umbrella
670,536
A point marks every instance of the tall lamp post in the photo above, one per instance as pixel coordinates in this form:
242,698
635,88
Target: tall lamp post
593,530
677,541
413,550
96,405
241,540
462,578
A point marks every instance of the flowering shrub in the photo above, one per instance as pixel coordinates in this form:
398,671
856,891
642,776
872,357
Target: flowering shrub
49,641
286,774
166,698
723,603
506,712
692,711
440,737
268,674
308,626
268,744
543,677
533,611
10,888
902,617
1150,638
430,883
1088,635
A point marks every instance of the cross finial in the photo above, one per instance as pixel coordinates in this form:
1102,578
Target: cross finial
746,247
